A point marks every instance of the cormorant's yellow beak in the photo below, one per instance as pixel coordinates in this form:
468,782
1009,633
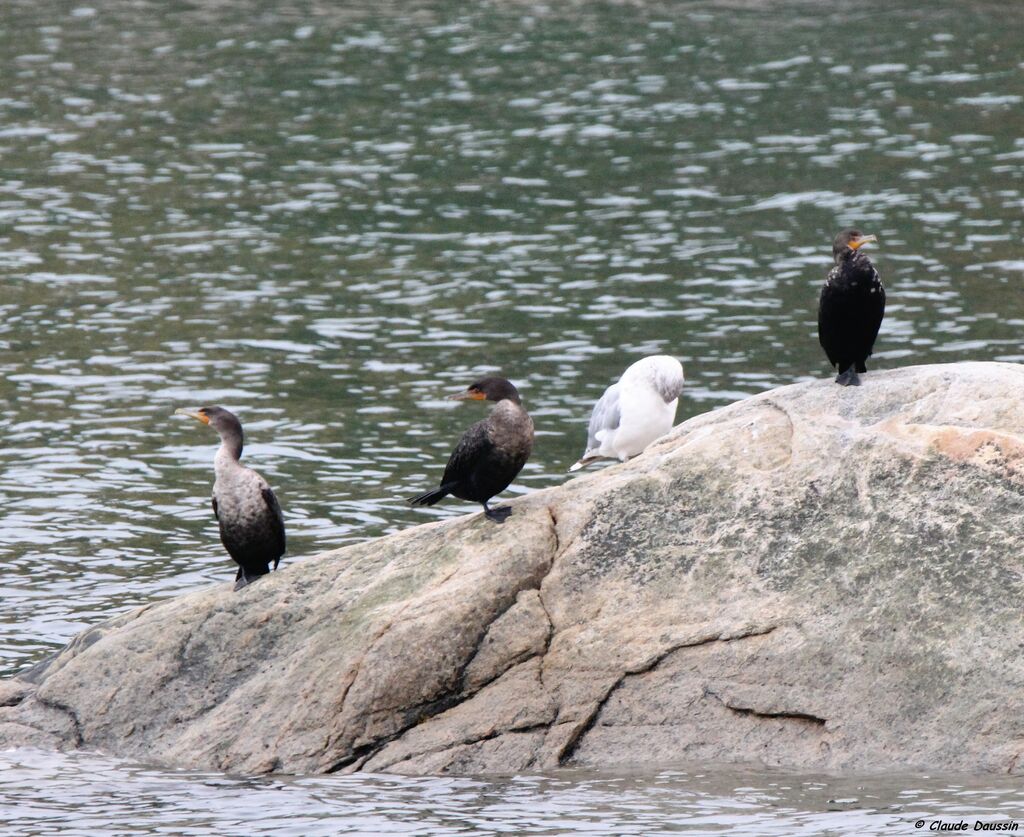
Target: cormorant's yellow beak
468,395
860,242
193,413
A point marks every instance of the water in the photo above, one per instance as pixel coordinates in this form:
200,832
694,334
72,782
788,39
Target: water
327,218
102,796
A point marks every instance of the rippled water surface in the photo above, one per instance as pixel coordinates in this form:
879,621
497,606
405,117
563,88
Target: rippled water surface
108,797
326,216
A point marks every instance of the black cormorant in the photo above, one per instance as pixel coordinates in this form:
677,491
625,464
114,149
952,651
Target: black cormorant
249,516
490,453
851,307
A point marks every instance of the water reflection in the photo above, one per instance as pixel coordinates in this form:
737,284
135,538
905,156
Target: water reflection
325,219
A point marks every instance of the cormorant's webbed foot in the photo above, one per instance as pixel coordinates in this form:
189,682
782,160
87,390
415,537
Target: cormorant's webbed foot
246,577
848,378
498,515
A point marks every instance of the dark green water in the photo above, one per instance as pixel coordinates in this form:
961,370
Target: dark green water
326,218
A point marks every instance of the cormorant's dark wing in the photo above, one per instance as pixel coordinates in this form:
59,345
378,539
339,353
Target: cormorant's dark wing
829,311
217,516
872,312
474,446
878,300
277,521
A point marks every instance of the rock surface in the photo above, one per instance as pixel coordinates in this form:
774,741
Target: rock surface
815,577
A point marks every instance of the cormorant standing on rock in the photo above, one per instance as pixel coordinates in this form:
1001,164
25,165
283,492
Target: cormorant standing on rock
490,453
250,519
851,307
639,408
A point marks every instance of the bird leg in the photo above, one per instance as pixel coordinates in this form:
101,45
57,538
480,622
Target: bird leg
848,378
498,515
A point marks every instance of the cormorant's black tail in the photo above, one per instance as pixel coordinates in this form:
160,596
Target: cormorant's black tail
431,497
849,377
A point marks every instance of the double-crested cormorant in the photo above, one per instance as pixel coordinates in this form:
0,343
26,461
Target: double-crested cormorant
490,453
250,519
633,412
851,307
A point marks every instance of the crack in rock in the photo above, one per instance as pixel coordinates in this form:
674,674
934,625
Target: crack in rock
464,688
357,667
64,709
565,753
1014,761
368,749
759,713
420,713
469,742
15,697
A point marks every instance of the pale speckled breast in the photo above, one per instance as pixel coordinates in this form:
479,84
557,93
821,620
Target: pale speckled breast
239,495
510,428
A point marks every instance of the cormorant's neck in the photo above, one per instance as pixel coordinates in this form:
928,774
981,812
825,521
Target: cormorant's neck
846,256
230,447
509,403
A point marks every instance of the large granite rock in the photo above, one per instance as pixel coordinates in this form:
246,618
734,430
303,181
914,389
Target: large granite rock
816,577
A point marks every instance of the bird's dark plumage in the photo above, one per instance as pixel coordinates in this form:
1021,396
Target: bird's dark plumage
850,308
490,453
274,508
248,514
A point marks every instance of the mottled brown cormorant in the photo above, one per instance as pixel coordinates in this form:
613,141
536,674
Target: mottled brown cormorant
639,408
490,453
249,516
851,307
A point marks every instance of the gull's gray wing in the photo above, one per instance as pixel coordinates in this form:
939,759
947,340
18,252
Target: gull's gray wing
606,416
